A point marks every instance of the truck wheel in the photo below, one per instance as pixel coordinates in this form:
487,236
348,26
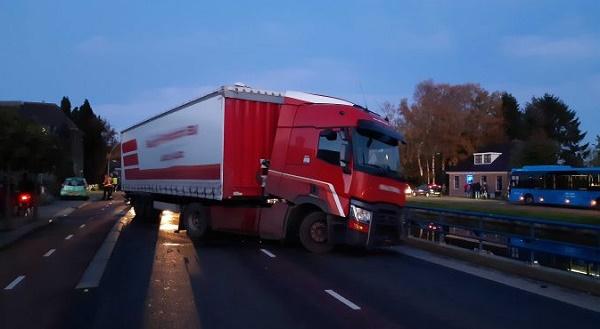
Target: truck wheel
195,219
528,199
314,233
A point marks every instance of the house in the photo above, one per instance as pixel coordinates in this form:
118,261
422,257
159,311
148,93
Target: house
51,118
491,167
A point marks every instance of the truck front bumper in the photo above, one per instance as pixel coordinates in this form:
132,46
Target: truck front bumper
385,228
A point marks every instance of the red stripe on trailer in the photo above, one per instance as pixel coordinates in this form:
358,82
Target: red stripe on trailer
212,171
129,146
130,160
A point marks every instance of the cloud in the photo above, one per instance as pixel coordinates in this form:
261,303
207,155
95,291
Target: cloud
539,46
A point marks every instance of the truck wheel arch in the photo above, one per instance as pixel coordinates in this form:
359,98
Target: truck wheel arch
295,216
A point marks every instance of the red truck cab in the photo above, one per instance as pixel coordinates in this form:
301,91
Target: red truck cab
343,162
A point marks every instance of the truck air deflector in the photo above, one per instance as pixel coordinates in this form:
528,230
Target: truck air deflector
371,127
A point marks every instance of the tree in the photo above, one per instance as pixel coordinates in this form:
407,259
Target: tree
513,117
65,106
595,153
444,124
550,115
98,138
24,145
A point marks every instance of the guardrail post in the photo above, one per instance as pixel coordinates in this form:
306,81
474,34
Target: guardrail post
479,235
532,238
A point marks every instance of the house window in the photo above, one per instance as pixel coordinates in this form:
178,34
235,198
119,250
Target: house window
499,183
456,178
478,159
487,158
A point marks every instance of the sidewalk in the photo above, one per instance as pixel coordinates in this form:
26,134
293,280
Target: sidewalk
46,215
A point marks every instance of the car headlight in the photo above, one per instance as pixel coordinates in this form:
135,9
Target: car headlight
360,214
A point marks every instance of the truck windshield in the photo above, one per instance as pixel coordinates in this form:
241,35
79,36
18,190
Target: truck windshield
376,155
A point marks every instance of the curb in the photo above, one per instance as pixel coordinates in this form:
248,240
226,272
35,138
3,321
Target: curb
13,236
539,273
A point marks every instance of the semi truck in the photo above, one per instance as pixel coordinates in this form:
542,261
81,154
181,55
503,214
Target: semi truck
278,165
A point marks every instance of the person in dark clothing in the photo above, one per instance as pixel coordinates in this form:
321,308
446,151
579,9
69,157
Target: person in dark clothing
477,190
108,187
26,185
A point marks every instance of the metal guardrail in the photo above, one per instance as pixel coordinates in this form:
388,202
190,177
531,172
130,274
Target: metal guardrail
538,241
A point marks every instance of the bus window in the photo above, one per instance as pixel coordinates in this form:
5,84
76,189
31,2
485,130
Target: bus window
581,182
595,182
549,181
563,182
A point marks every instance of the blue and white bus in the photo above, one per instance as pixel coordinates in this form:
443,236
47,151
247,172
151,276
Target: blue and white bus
556,185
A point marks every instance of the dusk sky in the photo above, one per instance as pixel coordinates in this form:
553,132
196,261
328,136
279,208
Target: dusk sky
132,59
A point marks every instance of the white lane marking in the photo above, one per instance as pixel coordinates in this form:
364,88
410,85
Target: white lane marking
93,273
64,213
69,236
49,252
82,226
15,282
268,253
342,299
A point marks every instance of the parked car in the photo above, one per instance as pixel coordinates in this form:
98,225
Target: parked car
428,190
408,191
74,187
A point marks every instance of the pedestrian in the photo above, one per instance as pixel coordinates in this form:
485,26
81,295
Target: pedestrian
466,188
484,191
107,187
115,181
477,190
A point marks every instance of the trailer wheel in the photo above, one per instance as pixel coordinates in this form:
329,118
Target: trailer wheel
195,219
313,233
144,210
528,199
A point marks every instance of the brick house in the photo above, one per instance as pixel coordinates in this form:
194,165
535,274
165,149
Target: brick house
491,167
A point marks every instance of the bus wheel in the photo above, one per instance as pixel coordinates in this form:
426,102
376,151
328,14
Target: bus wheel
314,234
196,220
528,199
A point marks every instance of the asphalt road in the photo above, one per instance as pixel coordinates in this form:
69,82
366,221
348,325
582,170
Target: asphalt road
156,278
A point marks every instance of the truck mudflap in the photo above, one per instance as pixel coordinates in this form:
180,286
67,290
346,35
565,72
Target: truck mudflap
385,229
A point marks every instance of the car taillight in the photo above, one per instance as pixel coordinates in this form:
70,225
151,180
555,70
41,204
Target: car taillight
24,197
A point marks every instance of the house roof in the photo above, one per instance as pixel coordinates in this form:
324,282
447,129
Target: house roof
501,164
45,114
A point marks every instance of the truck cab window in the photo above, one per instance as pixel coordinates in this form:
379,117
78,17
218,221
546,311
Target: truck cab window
331,147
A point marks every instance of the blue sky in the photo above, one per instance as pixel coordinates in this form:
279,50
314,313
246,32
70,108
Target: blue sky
132,59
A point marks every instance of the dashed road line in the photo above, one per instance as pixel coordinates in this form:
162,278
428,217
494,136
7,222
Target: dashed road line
268,253
342,299
49,252
69,237
15,282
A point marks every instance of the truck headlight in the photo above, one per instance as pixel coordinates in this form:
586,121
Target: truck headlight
360,214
